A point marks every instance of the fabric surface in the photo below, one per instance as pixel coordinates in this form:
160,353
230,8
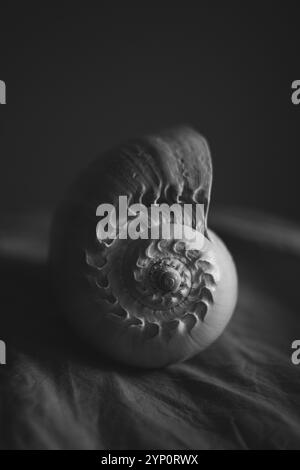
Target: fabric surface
241,393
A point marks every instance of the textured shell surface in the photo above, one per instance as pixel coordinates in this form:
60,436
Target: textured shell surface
146,302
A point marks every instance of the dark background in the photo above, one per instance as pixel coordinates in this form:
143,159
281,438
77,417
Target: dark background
81,80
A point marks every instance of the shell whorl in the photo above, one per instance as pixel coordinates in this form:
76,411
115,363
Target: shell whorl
159,286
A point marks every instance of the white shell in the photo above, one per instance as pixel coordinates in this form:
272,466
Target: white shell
110,292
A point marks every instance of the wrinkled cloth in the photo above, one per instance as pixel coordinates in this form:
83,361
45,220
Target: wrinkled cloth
243,392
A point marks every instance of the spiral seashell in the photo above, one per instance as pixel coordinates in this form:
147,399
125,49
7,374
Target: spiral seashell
148,302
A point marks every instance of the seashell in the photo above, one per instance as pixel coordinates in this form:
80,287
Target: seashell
147,302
